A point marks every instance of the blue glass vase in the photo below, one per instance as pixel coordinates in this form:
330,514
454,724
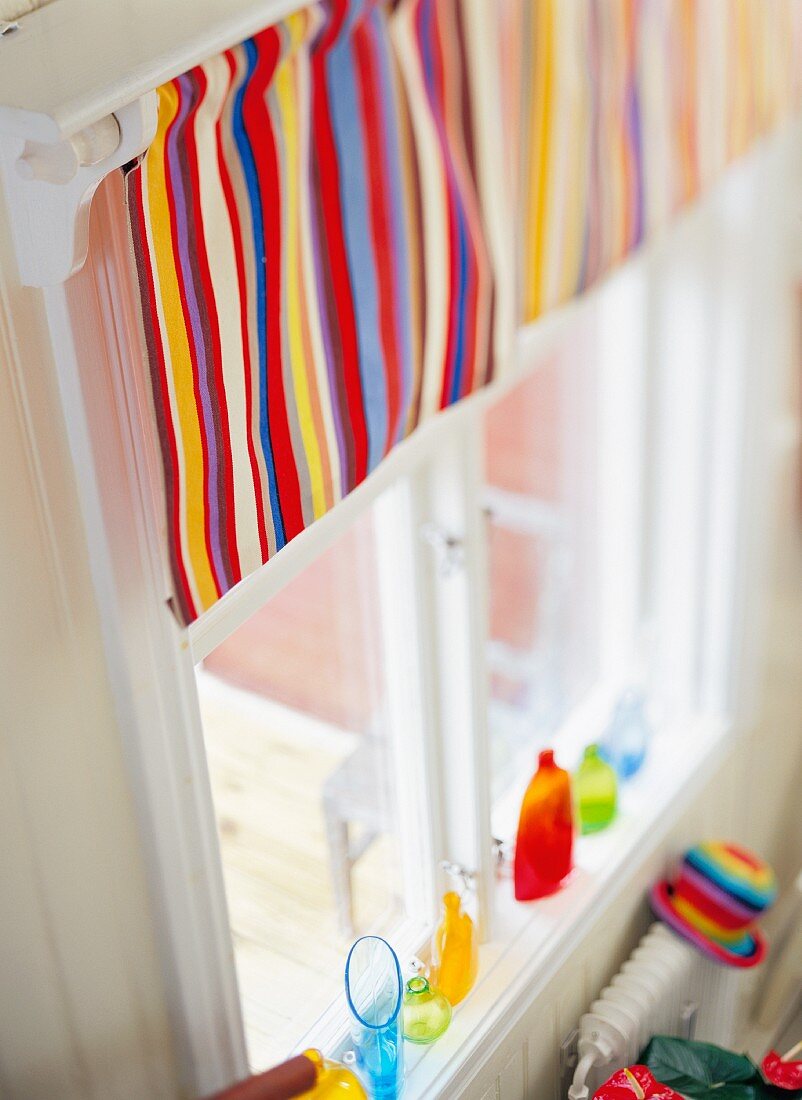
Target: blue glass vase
374,992
625,741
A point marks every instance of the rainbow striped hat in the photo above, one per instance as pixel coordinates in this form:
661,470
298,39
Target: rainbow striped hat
715,899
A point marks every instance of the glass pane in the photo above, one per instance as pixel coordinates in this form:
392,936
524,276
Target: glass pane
540,442
294,715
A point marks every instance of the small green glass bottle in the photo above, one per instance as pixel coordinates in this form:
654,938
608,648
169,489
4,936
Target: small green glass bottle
427,1013
595,791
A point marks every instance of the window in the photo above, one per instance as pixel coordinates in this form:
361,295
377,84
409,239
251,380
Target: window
525,558
564,504
382,711
540,444
302,758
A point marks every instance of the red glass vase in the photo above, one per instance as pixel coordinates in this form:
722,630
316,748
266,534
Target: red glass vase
544,848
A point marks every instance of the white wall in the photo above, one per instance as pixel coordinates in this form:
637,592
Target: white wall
82,1008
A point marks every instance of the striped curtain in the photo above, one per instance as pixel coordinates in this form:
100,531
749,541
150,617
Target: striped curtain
314,274
340,220
628,109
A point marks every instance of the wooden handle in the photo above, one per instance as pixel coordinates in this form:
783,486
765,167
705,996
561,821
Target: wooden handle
292,1078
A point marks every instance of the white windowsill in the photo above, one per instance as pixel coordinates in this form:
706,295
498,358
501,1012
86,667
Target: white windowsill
531,941
76,61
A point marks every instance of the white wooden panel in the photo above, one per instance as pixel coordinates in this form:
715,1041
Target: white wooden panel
512,1079
572,998
543,1050
613,941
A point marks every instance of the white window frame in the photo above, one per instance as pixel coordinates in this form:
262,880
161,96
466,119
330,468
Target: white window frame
151,660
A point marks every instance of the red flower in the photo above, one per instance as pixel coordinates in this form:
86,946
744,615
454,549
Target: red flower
785,1075
635,1083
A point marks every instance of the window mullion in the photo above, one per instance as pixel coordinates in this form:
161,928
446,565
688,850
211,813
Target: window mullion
409,706
620,311
454,598
680,361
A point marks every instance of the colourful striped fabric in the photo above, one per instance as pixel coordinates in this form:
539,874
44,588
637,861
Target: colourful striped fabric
555,135
330,224
225,262
367,238
629,108
431,42
313,270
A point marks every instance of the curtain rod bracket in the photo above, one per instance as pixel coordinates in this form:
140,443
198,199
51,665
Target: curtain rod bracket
49,180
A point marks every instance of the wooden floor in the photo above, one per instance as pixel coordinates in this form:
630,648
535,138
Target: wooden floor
267,771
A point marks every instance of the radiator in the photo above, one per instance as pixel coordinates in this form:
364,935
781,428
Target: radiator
665,988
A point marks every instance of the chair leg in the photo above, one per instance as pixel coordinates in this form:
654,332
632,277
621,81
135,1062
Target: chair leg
340,864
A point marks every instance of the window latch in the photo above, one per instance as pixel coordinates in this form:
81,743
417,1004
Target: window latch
503,853
465,878
450,548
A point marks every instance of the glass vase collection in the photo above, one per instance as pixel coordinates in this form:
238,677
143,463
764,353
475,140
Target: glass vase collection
385,1011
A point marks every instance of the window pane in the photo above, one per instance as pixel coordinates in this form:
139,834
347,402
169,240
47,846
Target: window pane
540,443
294,715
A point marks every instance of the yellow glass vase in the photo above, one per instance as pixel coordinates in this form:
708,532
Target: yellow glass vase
455,951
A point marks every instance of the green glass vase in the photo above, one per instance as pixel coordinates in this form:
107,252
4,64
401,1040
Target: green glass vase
427,1012
595,791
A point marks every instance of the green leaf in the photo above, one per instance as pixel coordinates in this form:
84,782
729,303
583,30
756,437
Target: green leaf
702,1071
